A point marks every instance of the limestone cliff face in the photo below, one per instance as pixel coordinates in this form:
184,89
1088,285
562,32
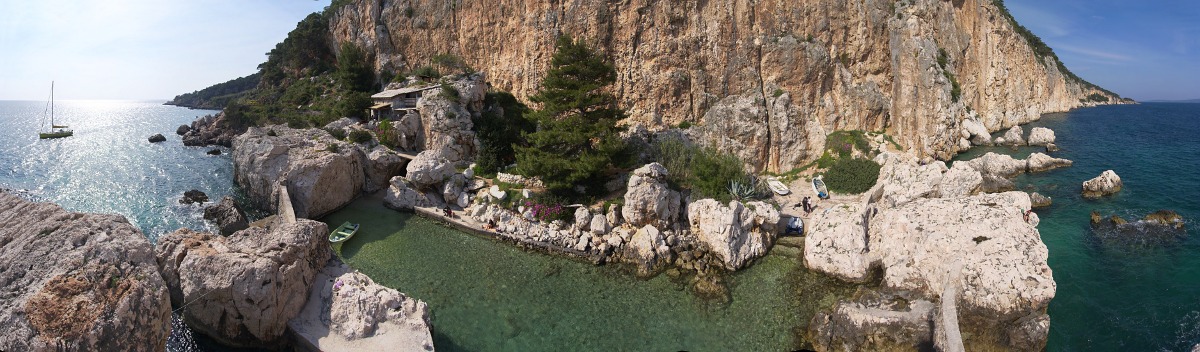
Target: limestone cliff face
766,79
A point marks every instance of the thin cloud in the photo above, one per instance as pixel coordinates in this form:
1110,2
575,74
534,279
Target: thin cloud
1095,53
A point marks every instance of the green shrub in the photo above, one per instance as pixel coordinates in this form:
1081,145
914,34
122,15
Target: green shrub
685,125
1097,97
707,172
547,207
852,176
778,92
499,128
842,143
427,72
450,93
354,104
360,136
387,134
332,147
825,161
337,133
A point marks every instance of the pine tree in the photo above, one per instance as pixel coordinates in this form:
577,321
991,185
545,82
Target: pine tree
576,140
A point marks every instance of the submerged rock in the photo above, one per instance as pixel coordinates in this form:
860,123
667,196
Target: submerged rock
1037,200
242,289
875,325
1163,227
1107,183
77,282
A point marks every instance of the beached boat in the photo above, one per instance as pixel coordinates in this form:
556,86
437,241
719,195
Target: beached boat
819,188
55,131
343,233
777,186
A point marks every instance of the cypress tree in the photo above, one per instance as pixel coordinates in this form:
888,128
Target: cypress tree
576,139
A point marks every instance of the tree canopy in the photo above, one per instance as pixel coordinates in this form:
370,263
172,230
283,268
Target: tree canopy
576,140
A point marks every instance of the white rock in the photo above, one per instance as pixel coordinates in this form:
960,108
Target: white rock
736,235
1038,162
583,218
643,248
1107,183
836,243
429,169
1041,136
648,200
1014,136
960,181
599,224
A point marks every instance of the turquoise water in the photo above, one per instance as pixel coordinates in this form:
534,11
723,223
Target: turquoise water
1121,298
108,166
490,296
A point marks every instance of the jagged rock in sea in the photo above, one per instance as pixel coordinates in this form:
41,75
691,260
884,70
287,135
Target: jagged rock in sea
429,169
784,73
158,137
214,152
77,282
1051,147
347,310
1041,136
193,196
648,199
226,215
382,164
321,174
736,233
1013,136
210,129
1107,183
183,129
1039,162
242,289
648,250
1037,200
1163,227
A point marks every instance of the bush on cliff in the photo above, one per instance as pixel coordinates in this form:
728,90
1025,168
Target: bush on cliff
852,176
576,140
708,173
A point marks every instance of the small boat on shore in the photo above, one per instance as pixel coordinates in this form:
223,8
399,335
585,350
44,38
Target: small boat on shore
819,188
343,233
778,187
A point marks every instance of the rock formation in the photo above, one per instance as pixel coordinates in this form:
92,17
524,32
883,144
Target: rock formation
1107,183
999,165
737,233
320,173
157,138
193,197
347,310
429,169
226,215
1041,136
648,200
836,243
183,129
767,79
77,282
1013,136
1037,200
382,164
242,289
445,118
1163,227
210,130
1038,162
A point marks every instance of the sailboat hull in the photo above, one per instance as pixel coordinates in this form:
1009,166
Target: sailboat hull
60,134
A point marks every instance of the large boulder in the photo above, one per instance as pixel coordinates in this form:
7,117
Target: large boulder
902,179
648,199
346,308
996,184
321,174
183,129
919,244
647,249
452,189
1014,136
446,113
226,215
977,132
1106,184
402,196
1038,162
157,137
836,243
735,233
997,165
1041,136
77,282
1037,200
242,289
382,165
429,169
960,181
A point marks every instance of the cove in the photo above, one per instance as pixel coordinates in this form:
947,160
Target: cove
486,295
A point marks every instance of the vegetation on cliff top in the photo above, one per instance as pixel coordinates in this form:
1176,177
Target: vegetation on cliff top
1043,51
218,95
576,142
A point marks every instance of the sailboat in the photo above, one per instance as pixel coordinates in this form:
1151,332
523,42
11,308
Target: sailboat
56,131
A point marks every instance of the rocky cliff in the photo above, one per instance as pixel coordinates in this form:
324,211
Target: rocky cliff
767,79
77,282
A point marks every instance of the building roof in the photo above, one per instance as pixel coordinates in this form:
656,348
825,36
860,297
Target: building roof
392,93
380,106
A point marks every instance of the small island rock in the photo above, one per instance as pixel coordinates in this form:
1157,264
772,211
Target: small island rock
193,197
183,129
214,152
1013,136
227,216
1106,184
157,138
1041,136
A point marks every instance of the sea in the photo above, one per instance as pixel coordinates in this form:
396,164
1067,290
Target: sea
486,295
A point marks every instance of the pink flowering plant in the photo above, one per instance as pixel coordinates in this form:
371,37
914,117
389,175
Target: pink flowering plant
545,212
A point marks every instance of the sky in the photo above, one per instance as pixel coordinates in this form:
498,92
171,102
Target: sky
1140,49
156,49
136,49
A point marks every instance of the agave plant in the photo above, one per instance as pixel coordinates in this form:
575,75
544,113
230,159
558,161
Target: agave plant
748,188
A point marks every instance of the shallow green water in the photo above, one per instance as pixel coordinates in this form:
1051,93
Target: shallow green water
490,296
